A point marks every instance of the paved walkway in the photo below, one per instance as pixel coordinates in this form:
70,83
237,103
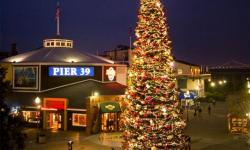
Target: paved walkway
208,132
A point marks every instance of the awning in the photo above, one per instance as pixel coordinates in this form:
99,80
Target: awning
109,107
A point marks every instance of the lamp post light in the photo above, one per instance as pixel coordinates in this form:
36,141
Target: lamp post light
187,95
212,84
38,104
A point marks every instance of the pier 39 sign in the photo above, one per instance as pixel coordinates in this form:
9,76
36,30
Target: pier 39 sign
60,71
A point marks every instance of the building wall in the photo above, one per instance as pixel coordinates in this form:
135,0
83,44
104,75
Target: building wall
121,75
51,82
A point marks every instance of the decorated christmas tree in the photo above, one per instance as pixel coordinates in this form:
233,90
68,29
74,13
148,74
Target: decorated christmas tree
152,117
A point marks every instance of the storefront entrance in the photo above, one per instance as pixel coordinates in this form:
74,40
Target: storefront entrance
110,122
54,120
110,116
54,113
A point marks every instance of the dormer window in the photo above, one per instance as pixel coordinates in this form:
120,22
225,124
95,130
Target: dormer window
58,43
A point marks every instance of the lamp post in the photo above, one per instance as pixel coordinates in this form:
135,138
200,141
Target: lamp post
187,104
248,86
38,104
187,95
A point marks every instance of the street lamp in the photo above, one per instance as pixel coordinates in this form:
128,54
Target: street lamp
248,85
96,94
186,96
212,84
38,104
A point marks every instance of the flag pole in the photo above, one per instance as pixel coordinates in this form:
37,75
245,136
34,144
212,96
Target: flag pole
58,18
130,38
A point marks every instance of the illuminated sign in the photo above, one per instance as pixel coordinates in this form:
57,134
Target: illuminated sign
110,107
55,103
71,71
110,72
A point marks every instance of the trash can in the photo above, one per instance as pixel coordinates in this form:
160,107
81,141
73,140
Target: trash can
41,138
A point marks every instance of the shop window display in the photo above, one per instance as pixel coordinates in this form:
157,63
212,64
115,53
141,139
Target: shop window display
31,116
79,120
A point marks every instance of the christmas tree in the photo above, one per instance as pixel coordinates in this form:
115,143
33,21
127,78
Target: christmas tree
152,117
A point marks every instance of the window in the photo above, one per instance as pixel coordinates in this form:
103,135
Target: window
57,43
63,44
52,43
25,77
179,71
182,83
31,116
48,44
79,120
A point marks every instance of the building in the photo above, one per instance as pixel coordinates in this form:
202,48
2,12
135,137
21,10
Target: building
189,76
60,87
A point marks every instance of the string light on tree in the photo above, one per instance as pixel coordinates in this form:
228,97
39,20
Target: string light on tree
152,118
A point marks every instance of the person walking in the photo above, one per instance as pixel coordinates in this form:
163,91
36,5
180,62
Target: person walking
209,110
195,112
200,110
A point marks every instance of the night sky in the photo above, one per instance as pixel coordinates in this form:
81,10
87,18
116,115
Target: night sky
203,31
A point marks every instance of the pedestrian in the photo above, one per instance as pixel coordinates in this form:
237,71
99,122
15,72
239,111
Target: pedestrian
209,109
195,112
107,124
200,110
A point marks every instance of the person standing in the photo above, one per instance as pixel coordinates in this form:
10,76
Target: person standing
195,112
209,110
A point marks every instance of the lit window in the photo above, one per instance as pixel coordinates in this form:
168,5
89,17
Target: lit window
48,44
79,120
57,43
63,44
31,116
52,43
179,71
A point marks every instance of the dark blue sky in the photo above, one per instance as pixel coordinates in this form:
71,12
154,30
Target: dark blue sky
202,31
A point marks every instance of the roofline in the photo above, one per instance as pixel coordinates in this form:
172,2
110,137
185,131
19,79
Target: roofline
68,64
187,63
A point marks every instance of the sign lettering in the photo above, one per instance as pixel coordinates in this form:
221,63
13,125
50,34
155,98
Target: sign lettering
71,71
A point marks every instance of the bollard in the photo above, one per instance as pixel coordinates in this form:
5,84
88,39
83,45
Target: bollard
70,143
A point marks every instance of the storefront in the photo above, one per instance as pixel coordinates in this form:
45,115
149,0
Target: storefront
110,116
65,80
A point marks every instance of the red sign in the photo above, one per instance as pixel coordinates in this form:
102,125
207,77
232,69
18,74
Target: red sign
55,103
